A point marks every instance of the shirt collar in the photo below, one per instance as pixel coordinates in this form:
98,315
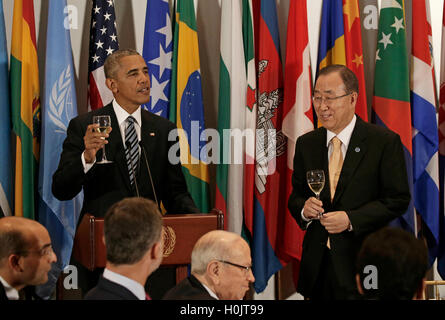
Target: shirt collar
210,291
344,135
122,114
11,293
135,287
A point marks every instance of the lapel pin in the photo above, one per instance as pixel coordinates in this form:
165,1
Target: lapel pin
357,149
152,134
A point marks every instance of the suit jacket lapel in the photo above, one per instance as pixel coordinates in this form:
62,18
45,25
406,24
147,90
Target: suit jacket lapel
356,150
148,138
320,161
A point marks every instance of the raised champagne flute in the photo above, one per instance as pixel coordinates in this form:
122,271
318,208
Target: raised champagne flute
315,180
104,123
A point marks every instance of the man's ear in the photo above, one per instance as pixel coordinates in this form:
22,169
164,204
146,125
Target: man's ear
213,271
111,84
156,251
14,262
359,284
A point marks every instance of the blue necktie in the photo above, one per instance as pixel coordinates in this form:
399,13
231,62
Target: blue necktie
131,148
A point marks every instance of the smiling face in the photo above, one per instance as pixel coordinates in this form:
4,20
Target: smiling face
335,114
131,83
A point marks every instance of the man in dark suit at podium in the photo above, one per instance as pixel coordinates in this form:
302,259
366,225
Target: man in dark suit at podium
137,144
133,239
366,186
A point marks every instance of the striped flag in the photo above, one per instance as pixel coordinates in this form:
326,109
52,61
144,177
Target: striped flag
425,134
250,118
340,42
186,107
25,104
231,116
269,197
441,249
298,116
391,104
59,107
103,41
157,52
354,52
5,126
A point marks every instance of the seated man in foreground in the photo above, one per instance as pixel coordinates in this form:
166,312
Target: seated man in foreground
220,269
133,240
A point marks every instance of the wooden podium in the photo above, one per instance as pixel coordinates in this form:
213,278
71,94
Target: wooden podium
180,232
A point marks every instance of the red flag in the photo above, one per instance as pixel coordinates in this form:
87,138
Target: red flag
298,117
354,52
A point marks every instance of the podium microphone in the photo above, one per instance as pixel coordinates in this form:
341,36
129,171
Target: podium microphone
133,171
149,173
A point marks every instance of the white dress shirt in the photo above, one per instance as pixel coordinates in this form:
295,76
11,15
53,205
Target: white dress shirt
121,115
11,293
345,137
135,287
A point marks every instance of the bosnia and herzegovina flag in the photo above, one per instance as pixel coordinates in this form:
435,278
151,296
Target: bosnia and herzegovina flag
269,197
391,102
186,107
25,104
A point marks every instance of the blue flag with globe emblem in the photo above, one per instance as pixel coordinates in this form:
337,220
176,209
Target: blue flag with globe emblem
58,108
157,52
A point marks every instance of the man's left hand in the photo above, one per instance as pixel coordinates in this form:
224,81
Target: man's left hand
335,222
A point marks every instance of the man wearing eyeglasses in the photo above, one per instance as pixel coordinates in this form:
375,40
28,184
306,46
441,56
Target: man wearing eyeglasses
366,186
26,255
220,269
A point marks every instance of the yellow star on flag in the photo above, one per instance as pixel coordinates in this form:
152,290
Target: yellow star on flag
358,60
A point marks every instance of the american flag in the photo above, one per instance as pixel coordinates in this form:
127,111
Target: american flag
103,42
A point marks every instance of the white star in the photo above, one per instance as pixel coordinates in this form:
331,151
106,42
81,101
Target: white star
104,30
385,39
107,16
157,91
95,58
113,37
94,24
398,24
164,60
110,3
99,45
96,10
166,31
109,51
377,55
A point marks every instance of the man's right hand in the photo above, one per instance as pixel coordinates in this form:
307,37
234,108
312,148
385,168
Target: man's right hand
312,208
93,141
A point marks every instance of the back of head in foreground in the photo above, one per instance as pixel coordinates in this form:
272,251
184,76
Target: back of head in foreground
222,261
133,238
26,253
392,265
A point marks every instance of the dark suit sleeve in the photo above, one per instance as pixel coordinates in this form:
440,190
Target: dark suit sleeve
69,176
176,197
394,194
298,196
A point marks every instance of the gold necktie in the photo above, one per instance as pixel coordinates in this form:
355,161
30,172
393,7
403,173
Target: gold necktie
335,164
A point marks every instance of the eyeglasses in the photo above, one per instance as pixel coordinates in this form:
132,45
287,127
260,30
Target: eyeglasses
45,251
246,269
328,100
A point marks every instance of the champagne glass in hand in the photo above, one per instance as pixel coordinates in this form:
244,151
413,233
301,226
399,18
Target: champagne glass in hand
104,123
315,180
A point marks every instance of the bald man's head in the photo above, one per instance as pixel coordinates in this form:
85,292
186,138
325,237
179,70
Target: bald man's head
26,252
